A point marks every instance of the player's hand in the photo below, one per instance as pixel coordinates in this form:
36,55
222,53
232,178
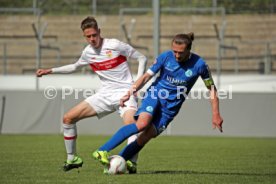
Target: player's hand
124,99
217,122
41,72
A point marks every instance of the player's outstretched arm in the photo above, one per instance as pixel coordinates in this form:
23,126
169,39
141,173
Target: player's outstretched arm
63,69
216,118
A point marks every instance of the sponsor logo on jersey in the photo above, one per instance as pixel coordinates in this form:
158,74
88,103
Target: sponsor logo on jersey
109,64
188,73
175,81
149,108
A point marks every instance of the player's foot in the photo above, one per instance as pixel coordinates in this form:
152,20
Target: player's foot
72,164
131,167
101,156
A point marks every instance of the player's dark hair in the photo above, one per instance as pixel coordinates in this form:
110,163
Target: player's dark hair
186,39
89,22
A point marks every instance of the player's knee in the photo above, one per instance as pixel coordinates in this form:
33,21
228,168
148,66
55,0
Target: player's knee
141,125
67,119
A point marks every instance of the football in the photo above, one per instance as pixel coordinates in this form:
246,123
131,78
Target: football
117,165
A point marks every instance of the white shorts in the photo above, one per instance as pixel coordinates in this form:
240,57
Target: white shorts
105,102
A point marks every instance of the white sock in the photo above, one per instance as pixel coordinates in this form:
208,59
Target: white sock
130,140
70,136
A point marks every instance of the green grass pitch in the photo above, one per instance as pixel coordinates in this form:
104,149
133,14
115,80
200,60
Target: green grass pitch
167,159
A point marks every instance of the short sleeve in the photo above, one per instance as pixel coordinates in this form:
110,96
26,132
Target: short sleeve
157,64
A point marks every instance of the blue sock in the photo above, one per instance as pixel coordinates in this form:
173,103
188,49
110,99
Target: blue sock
121,135
130,150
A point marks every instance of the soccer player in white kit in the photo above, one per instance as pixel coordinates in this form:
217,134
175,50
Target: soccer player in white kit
107,58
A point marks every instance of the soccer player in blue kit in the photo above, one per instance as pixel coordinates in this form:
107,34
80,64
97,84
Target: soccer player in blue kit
179,70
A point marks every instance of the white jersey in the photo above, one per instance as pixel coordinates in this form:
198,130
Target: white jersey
109,62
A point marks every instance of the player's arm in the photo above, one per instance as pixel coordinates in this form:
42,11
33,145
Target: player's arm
142,63
216,117
63,69
132,53
214,100
138,84
41,72
141,81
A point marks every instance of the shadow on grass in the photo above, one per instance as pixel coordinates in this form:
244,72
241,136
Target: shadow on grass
207,173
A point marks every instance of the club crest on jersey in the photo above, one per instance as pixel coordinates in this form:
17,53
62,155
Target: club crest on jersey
188,73
149,108
109,53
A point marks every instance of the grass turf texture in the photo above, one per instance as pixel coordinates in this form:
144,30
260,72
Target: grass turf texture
39,158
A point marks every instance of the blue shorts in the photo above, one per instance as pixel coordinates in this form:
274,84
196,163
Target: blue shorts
153,106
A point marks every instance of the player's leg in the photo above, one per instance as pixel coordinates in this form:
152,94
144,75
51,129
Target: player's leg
126,131
143,138
99,104
146,135
121,135
127,113
80,111
144,115
158,125
128,118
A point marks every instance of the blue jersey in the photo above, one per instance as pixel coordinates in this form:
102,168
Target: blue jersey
177,78
165,96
